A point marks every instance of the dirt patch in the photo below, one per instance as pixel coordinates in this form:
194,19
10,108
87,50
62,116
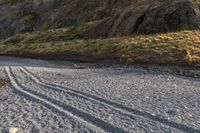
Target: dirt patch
2,83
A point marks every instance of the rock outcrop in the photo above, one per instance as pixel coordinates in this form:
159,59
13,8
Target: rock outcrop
152,17
119,17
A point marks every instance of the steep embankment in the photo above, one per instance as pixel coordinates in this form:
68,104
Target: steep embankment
181,48
94,19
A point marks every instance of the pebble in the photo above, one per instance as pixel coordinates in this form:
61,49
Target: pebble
15,130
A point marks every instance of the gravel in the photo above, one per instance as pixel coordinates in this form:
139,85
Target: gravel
43,96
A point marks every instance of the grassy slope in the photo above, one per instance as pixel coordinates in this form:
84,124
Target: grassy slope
182,48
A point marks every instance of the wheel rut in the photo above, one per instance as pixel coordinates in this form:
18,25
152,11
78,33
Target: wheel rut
90,121
117,106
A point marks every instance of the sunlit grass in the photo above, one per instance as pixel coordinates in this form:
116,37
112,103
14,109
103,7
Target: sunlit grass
182,48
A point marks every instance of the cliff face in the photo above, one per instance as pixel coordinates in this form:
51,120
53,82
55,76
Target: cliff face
118,17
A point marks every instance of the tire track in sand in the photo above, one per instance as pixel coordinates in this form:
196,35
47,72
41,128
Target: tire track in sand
116,106
85,118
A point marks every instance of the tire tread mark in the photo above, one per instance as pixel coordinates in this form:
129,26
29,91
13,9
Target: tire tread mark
117,106
85,118
76,94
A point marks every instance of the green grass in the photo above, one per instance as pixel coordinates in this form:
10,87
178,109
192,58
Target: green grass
181,48
62,34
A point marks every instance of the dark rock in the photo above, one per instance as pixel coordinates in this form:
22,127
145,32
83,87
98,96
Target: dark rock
119,17
151,17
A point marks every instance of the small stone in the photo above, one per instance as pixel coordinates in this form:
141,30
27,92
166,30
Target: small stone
79,66
15,130
172,112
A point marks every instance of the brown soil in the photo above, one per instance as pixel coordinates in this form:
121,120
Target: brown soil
2,83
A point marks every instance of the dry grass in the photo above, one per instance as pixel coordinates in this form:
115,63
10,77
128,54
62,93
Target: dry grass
181,48
62,34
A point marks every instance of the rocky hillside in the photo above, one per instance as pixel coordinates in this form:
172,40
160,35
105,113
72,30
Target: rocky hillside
111,17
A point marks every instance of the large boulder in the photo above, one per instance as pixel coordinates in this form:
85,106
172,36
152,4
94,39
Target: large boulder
151,17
